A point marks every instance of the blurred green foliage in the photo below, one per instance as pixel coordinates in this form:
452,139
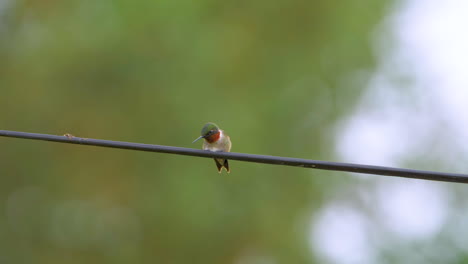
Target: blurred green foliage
274,74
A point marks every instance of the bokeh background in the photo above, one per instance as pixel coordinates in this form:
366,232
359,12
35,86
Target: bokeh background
373,82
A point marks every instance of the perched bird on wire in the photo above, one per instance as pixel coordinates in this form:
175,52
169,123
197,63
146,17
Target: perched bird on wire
216,140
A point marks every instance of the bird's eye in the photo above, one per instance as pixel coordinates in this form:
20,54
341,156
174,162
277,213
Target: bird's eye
211,132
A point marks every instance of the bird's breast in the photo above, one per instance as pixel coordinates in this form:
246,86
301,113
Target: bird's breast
222,144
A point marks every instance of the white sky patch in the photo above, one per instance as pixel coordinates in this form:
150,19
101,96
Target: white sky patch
412,209
415,108
340,235
436,42
420,86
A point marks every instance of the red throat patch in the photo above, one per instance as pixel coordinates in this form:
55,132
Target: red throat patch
213,138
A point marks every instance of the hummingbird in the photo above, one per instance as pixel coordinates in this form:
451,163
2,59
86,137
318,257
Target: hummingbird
216,140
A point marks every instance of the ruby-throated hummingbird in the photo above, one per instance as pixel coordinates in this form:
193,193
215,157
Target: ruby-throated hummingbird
216,140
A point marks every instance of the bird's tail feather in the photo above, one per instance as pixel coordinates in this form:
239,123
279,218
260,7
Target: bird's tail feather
222,163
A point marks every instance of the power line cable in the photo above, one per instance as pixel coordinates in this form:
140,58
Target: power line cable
314,164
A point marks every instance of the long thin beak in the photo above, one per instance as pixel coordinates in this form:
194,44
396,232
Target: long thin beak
200,137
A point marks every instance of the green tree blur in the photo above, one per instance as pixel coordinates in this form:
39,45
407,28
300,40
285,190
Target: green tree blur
275,75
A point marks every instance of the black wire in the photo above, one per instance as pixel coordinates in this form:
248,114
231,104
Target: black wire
315,164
